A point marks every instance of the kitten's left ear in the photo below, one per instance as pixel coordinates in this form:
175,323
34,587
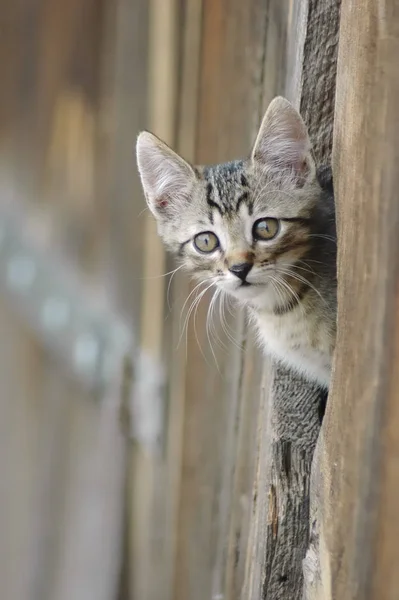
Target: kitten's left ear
167,178
283,142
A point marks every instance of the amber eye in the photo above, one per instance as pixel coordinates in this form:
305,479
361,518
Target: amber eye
206,242
265,229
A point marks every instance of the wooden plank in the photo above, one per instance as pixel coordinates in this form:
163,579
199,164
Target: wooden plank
161,120
246,526
91,505
123,113
218,462
319,68
210,406
93,501
312,67
190,23
357,477
58,38
290,414
59,499
146,469
204,429
19,435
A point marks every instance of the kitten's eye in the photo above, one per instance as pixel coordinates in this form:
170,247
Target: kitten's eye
206,242
265,229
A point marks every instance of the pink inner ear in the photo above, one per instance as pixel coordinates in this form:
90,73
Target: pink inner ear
301,169
162,202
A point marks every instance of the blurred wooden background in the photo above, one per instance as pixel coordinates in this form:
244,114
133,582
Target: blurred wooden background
155,488
86,510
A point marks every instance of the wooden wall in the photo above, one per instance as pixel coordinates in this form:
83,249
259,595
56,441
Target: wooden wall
180,498
69,111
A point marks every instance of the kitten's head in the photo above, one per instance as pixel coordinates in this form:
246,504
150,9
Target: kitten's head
241,225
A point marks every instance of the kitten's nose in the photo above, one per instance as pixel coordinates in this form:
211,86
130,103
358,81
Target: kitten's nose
241,270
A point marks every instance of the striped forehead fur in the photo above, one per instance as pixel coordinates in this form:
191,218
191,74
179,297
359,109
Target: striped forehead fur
227,187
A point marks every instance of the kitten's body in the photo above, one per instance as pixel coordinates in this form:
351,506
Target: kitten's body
262,230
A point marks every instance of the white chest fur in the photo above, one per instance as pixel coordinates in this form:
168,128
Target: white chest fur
301,342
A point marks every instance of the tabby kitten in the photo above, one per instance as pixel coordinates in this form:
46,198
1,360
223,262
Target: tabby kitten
262,229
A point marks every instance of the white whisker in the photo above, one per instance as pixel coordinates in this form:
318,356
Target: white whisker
191,293
145,209
293,293
196,300
277,288
193,310
301,279
169,284
296,266
196,335
323,236
209,324
163,274
225,326
227,300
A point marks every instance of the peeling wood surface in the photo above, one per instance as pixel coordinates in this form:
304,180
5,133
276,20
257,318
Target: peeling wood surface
318,74
295,426
290,419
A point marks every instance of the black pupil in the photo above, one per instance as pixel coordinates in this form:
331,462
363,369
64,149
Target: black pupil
206,242
263,226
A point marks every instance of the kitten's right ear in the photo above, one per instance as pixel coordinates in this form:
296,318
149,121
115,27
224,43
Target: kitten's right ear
283,142
167,179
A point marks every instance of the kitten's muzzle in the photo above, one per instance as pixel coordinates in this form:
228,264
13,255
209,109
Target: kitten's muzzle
241,270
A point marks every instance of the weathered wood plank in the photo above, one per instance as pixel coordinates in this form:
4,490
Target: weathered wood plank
268,27
356,478
141,95
292,420
312,67
289,425
174,354
295,423
213,485
259,27
243,451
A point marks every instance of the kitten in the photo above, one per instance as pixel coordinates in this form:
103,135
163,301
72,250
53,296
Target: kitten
262,229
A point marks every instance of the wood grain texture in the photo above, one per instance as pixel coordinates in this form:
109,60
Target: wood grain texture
292,419
318,74
279,536
218,436
357,475
295,424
